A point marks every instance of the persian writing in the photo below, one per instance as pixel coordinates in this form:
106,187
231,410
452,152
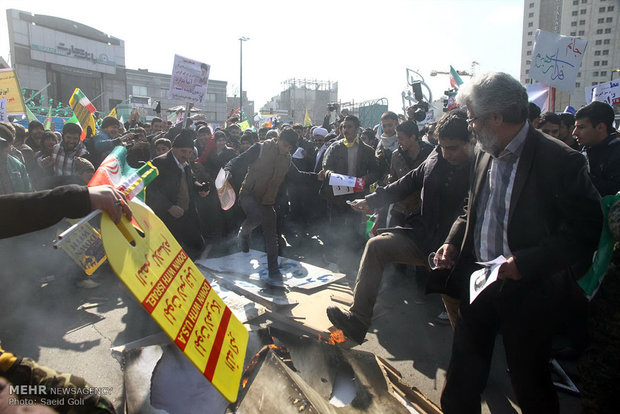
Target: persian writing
557,60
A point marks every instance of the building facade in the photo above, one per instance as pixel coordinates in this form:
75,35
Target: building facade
145,88
232,104
593,20
65,55
61,55
300,95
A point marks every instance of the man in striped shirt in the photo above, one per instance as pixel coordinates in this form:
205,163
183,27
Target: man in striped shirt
531,201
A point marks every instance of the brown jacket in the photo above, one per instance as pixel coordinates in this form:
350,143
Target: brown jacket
265,175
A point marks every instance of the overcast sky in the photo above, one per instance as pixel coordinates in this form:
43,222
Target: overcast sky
364,45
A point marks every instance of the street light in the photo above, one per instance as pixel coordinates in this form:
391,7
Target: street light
241,40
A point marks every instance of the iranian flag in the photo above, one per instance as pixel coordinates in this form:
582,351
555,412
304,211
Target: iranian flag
83,110
79,97
115,171
455,79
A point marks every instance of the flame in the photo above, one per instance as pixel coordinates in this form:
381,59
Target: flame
280,351
335,337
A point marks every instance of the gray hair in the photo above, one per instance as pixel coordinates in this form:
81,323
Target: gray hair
495,92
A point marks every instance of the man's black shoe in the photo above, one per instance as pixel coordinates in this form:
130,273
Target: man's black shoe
349,324
244,242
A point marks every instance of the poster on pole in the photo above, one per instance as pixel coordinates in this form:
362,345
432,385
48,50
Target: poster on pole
189,80
557,59
9,89
608,92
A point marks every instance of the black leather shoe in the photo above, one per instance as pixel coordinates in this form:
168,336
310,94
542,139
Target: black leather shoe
349,324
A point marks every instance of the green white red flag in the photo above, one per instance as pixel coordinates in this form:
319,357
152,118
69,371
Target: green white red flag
455,79
115,171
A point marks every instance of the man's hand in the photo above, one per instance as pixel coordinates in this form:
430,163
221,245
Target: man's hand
359,205
176,211
323,175
109,199
47,162
446,255
509,270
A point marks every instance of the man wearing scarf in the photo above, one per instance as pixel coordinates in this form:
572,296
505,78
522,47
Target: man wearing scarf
388,142
64,154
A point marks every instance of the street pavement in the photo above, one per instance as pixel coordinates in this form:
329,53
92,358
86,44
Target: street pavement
47,317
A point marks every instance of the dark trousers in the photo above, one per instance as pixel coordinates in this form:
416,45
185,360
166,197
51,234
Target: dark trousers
187,230
265,216
523,314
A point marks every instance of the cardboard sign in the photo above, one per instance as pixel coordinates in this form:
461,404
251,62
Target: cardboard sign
85,248
225,192
557,60
173,291
608,92
9,89
189,80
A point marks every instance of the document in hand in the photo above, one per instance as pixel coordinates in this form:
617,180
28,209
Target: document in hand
345,184
483,278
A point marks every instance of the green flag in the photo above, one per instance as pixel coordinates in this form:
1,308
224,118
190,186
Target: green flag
48,121
31,117
72,120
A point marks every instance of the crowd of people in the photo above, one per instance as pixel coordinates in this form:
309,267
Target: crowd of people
494,178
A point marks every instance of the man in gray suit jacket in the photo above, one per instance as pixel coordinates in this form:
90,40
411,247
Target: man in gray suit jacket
532,201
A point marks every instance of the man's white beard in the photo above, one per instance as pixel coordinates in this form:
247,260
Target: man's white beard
486,143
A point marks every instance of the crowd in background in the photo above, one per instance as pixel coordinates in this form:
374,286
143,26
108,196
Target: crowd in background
282,173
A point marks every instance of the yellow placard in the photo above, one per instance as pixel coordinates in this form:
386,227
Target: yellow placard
174,292
9,89
84,246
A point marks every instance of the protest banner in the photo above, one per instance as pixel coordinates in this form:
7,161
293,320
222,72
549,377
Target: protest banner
608,92
9,89
158,272
3,115
189,80
557,60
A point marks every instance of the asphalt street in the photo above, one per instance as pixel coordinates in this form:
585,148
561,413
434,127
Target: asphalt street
47,317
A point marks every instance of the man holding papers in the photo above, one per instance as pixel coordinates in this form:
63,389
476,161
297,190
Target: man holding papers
531,201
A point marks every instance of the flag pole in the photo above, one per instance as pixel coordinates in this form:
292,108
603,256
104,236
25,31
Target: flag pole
62,237
187,112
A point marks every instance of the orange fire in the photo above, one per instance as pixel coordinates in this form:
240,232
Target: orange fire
335,337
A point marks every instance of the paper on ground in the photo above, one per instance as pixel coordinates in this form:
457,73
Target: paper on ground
253,265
